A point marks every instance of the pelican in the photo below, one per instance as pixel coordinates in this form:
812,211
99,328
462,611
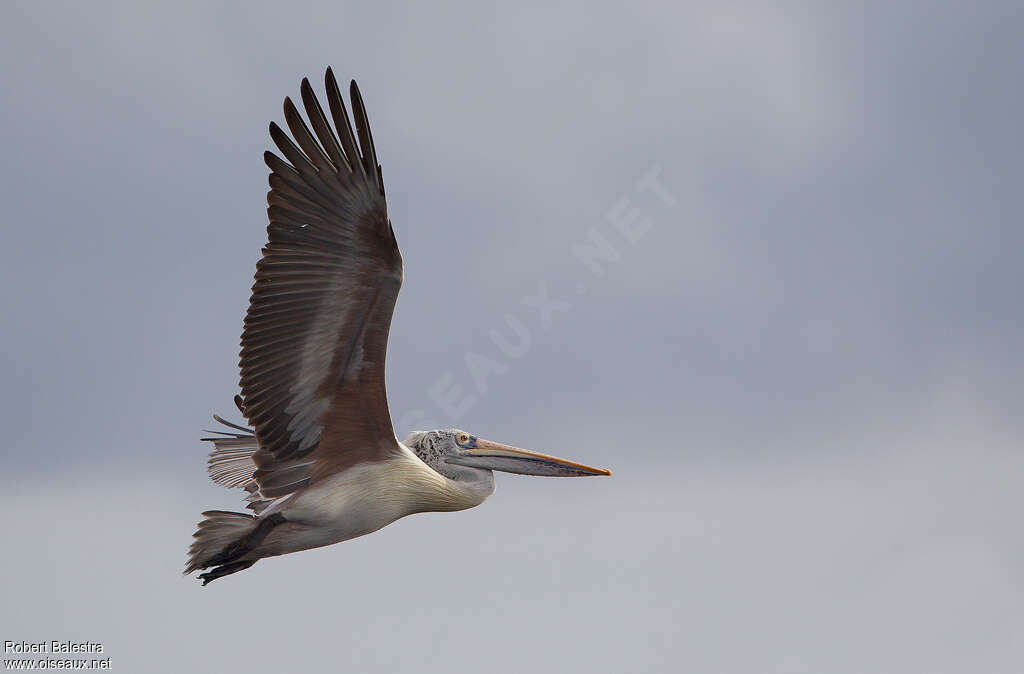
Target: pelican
320,459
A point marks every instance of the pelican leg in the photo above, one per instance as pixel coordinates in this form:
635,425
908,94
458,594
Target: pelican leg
226,570
245,544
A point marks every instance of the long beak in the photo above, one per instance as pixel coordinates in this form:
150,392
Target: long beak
508,459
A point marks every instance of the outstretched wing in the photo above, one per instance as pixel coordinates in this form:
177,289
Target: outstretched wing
316,331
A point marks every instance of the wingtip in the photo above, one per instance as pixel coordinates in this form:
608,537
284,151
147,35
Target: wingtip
329,79
307,91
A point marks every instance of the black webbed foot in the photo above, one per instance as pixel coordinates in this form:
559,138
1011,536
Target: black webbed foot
247,543
225,570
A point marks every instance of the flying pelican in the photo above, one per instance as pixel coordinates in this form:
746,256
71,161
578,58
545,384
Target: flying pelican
321,461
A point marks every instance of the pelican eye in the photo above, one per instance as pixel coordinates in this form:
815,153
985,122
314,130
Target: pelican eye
463,438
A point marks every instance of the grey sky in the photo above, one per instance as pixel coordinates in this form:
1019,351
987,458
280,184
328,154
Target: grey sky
806,372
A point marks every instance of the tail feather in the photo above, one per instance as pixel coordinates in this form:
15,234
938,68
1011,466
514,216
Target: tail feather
218,530
231,465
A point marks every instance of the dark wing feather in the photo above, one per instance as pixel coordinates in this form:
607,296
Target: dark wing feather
315,337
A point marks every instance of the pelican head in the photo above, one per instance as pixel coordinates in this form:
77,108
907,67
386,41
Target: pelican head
460,455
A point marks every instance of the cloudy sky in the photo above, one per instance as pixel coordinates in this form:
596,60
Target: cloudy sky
760,261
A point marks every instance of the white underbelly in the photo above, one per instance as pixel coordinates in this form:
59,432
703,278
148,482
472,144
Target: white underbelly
349,504
363,499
